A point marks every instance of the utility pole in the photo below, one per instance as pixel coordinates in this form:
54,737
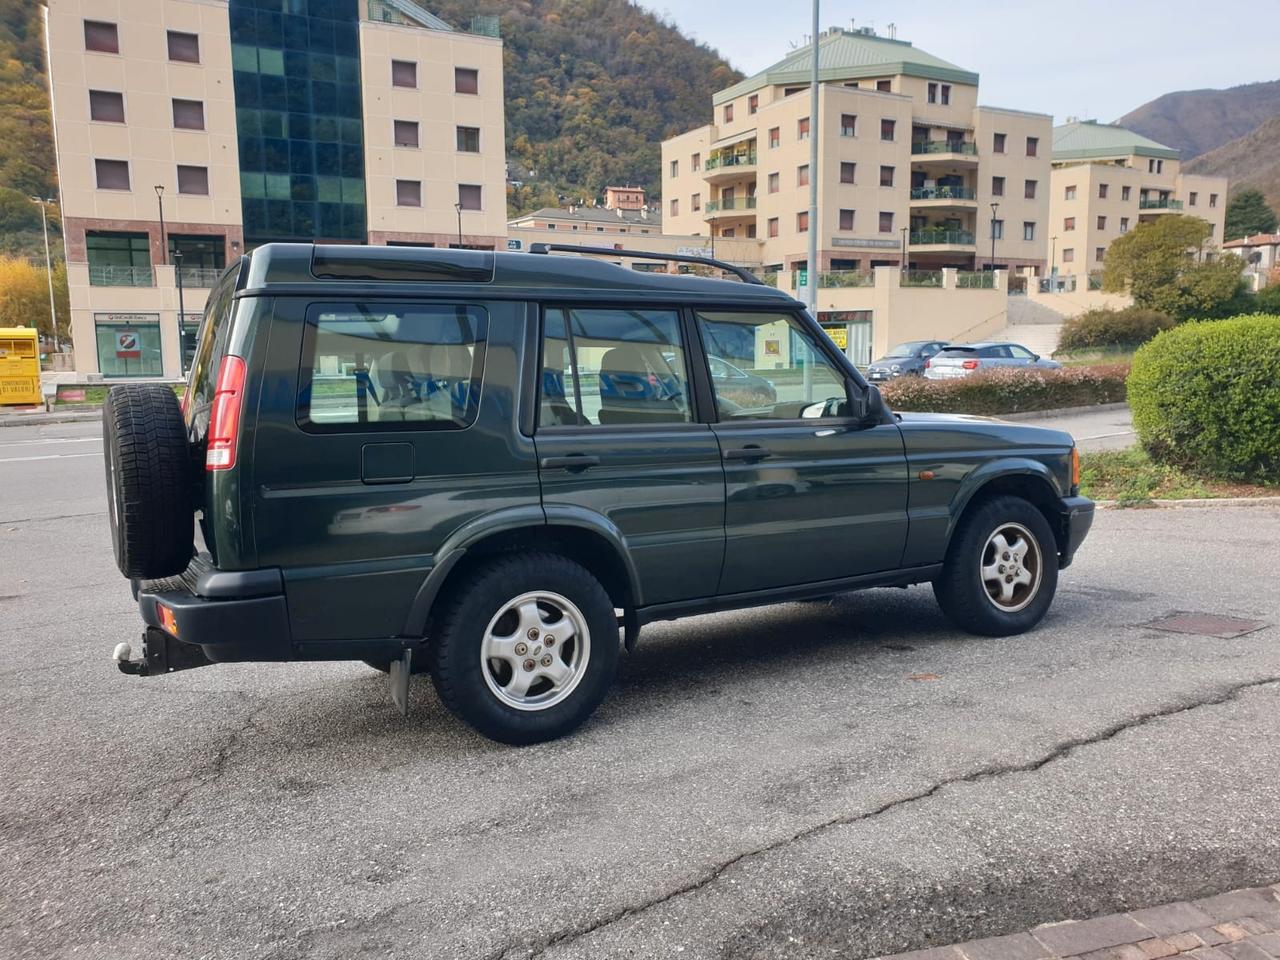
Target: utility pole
48,266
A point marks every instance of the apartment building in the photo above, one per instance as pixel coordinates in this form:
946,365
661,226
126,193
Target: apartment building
189,131
911,171
1106,180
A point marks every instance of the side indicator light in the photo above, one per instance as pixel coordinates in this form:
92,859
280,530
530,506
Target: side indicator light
167,620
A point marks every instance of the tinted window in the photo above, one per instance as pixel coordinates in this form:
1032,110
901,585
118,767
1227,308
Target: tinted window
184,47
391,366
787,376
613,367
101,37
1019,353
997,352
106,106
188,114
959,352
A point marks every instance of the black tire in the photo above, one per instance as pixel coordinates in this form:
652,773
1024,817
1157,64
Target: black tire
961,590
148,462
459,674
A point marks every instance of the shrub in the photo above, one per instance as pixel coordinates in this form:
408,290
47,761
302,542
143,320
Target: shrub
1206,397
1010,390
1268,298
1105,327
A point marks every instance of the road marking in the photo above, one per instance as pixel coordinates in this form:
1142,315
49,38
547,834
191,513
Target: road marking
50,456
23,443
1107,436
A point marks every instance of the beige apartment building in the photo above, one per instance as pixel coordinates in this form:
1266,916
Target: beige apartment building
1106,180
912,171
189,131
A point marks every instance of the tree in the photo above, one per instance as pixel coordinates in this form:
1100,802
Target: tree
1247,214
24,296
1157,263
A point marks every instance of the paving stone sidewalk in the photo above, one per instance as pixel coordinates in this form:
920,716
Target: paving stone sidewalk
1241,925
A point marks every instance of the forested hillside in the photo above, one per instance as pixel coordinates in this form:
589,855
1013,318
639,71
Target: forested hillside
1197,121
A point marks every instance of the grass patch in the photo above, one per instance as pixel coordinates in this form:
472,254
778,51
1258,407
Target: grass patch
95,395
1132,478
1085,358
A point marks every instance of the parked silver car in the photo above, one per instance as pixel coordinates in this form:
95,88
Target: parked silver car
962,360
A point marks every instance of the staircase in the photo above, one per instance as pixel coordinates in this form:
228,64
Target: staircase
1033,325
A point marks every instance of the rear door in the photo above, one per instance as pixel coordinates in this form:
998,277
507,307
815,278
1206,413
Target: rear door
618,441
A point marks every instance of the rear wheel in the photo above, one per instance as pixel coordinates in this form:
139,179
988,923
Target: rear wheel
527,650
1001,570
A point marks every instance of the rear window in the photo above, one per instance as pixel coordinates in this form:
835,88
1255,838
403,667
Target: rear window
391,366
957,352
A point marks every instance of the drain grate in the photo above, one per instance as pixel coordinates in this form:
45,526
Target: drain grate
1206,624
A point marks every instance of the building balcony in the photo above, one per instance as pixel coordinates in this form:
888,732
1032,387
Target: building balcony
941,237
952,151
1158,205
116,276
202,278
722,209
944,197
728,166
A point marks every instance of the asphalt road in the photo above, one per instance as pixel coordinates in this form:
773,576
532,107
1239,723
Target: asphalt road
821,780
1110,428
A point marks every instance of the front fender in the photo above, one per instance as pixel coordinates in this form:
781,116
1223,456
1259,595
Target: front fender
995,469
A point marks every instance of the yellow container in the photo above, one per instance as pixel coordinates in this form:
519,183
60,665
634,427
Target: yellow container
19,366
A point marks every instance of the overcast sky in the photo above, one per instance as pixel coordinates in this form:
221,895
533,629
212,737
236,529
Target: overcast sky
1087,58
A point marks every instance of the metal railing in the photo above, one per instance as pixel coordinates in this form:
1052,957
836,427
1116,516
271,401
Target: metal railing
975,280
200,277
731,160
1159,204
770,279
846,278
943,193
115,276
736,203
921,278
410,13
1059,284
941,236
966,147
1095,280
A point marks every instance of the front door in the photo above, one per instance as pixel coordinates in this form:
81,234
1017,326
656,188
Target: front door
618,444
811,494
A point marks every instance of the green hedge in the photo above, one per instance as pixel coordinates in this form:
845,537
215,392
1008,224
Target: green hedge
1010,390
1206,397
1112,328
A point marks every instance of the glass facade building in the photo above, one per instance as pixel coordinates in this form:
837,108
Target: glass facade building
299,122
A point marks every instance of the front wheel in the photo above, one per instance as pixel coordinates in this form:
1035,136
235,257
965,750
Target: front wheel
527,649
1001,570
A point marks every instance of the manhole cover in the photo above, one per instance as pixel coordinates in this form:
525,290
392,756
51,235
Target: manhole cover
1206,625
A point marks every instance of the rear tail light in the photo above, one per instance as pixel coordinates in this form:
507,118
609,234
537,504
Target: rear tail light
970,364
928,364
224,420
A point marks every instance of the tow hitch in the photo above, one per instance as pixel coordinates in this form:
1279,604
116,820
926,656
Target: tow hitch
161,653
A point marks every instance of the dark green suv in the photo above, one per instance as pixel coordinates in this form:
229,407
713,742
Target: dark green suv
498,467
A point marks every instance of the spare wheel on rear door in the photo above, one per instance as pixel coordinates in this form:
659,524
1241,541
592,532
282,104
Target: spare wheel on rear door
149,496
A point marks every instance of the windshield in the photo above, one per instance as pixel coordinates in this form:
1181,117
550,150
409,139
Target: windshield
904,350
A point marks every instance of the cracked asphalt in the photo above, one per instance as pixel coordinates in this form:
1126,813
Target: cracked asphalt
765,784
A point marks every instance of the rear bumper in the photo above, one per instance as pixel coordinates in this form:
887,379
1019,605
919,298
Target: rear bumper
226,629
1077,518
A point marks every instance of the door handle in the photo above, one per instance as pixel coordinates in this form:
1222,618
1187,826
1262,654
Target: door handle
748,453
574,462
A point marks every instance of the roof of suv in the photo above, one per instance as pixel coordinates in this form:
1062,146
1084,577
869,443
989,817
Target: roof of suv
289,267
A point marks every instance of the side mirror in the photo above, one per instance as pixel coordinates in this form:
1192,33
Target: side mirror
865,404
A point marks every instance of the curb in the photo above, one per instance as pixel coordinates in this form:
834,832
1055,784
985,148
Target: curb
1180,504
1061,412
47,419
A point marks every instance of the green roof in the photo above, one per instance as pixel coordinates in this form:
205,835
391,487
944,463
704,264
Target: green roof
851,55
1088,139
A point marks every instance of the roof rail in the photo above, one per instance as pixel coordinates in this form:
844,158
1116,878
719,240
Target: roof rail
742,273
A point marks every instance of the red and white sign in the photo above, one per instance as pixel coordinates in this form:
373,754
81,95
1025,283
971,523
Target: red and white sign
127,345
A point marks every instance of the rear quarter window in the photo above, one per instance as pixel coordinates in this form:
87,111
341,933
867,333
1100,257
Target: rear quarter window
391,366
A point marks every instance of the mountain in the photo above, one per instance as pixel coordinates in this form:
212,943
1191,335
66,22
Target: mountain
1197,121
1250,161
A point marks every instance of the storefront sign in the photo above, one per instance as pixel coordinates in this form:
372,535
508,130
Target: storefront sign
877,243
515,244
694,252
127,345
839,336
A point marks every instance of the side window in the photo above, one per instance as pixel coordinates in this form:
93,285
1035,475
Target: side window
1001,353
391,366
1019,353
609,366
784,374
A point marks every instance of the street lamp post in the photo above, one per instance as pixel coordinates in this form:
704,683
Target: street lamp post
182,312
458,207
164,243
48,266
995,207
815,127
903,264
1053,266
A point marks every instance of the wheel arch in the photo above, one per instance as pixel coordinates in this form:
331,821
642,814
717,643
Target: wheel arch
1028,479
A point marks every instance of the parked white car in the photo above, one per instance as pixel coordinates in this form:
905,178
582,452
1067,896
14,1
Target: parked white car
962,360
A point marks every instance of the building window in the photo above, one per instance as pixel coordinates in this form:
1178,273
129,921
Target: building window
802,128
1102,223
468,139
802,175
773,183
1029,190
773,226
697,202
405,133
112,174
1102,191
886,176
848,124
1033,146
884,86
1124,193
675,208
1069,193
1213,199
997,229
184,47
193,180
466,80
1068,255
751,231
1099,254
408,193
848,170
404,73
188,115
886,221
728,113
887,128
997,143
128,349
695,162
846,219
775,136
106,106
1069,223
674,167
802,222
933,93
101,37
1124,224
946,94
1191,201
997,186
753,103
1028,230
470,196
